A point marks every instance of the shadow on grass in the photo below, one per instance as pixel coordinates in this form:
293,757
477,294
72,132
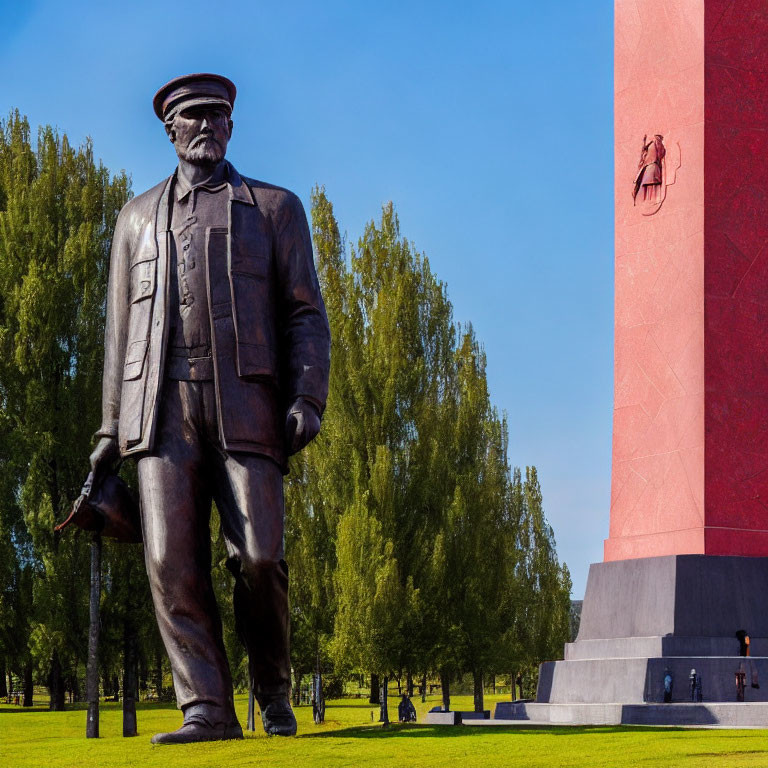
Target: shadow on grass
459,731
334,705
81,706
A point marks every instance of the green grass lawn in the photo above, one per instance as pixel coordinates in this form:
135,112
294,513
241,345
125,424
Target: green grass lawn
348,738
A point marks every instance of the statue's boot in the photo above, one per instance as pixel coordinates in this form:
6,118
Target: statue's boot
201,723
278,718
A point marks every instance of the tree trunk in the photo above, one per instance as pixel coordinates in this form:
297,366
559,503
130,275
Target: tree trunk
477,676
318,702
28,686
519,684
445,685
384,717
250,722
493,683
56,685
409,684
424,688
159,674
74,687
399,687
92,672
375,693
319,709
130,679
3,682
297,675
143,673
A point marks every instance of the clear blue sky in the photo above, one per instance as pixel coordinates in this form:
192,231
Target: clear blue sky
489,124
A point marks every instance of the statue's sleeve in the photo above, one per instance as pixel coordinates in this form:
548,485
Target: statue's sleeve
305,336
115,333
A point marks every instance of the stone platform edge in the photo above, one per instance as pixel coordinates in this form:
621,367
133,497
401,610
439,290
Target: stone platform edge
723,714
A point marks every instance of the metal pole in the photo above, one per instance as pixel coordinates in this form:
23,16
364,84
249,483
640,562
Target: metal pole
92,673
251,724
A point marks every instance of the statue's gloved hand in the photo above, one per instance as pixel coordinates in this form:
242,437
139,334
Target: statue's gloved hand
301,424
104,456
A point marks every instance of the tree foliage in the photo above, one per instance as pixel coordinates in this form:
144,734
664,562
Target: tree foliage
413,546
425,553
57,212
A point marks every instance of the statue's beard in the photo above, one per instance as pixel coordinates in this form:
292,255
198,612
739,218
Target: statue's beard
206,151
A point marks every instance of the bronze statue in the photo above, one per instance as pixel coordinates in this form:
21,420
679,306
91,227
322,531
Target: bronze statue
215,370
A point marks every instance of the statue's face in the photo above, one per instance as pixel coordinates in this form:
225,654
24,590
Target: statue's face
201,134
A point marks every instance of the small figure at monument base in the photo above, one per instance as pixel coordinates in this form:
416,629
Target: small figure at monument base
668,684
741,677
406,712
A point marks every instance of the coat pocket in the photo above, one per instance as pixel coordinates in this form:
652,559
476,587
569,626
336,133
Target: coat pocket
256,361
143,279
254,326
251,255
134,359
142,287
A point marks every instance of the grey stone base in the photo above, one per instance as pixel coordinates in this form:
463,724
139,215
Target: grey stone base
693,596
484,715
668,645
643,617
442,718
641,680
455,718
735,715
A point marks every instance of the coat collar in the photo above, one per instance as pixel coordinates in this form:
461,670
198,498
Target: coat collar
238,189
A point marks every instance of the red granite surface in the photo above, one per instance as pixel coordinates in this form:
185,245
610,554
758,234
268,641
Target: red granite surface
690,436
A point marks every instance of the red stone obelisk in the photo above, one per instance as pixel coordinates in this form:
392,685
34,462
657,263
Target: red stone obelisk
690,434
685,571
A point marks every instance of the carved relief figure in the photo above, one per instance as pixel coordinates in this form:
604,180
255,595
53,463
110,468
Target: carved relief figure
649,182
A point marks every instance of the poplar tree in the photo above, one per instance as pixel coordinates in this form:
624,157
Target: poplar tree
406,498
468,567
318,486
404,319
392,341
537,601
57,212
549,581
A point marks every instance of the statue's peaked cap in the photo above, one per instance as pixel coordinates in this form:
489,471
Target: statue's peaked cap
199,88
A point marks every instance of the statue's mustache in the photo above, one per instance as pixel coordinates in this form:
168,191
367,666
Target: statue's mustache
203,137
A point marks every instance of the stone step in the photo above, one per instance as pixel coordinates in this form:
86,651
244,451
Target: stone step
659,645
723,714
641,680
455,717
